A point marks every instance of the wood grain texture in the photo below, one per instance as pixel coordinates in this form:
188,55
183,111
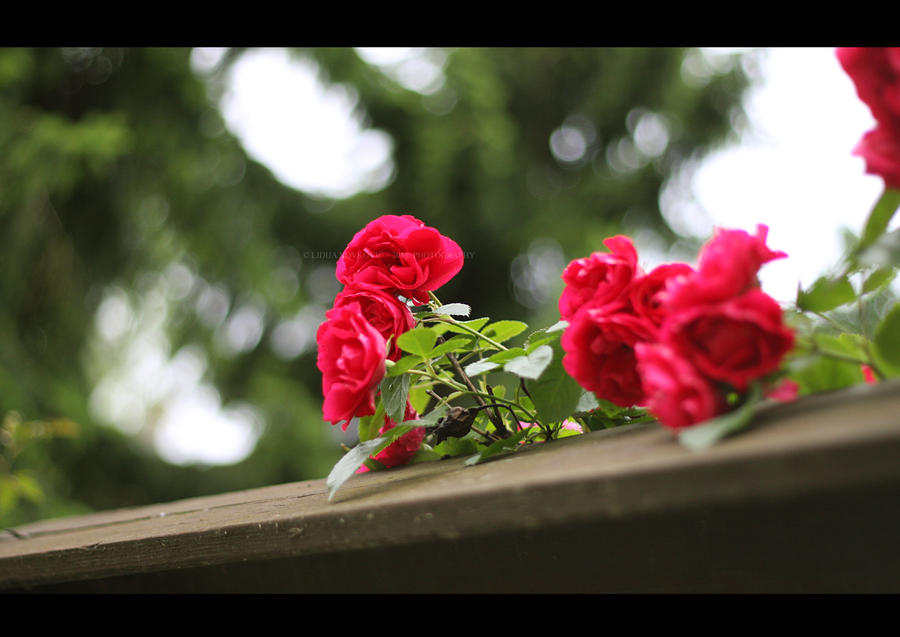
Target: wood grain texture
807,500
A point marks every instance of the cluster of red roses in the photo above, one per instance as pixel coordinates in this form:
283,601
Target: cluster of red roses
876,74
677,340
392,257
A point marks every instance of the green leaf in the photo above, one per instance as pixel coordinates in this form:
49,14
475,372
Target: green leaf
394,391
419,341
453,309
826,294
419,398
879,278
494,361
880,217
474,324
480,367
544,336
845,344
587,402
369,425
355,458
507,355
504,330
532,365
455,447
816,374
455,344
559,326
505,445
884,252
555,394
403,365
705,435
887,338
431,419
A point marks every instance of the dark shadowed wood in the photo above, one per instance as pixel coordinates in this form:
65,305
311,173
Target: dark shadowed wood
806,501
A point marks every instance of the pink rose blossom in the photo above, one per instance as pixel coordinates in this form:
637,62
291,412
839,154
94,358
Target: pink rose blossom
599,346
401,255
875,72
728,265
648,292
735,341
880,148
351,355
600,278
385,312
677,394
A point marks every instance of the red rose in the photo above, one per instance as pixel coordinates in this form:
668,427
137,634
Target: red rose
735,341
728,265
351,355
599,278
875,72
676,393
402,450
401,255
880,148
648,291
599,346
383,311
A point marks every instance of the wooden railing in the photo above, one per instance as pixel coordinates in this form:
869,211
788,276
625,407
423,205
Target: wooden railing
808,500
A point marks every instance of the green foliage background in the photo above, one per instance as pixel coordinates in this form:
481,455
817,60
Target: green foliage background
117,172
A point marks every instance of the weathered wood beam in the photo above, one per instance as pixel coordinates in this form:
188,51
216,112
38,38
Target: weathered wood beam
806,501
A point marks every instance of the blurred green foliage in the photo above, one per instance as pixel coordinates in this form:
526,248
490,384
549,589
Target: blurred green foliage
119,180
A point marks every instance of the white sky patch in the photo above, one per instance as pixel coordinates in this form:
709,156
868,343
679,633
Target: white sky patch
307,134
795,172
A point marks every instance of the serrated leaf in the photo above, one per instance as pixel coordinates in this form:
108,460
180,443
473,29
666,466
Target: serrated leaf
816,374
705,435
880,217
883,252
419,398
879,278
826,294
357,456
507,355
455,344
403,365
845,344
555,394
501,331
887,338
532,365
431,418
587,402
493,362
453,309
559,326
474,324
419,341
394,391
480,367
369,425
